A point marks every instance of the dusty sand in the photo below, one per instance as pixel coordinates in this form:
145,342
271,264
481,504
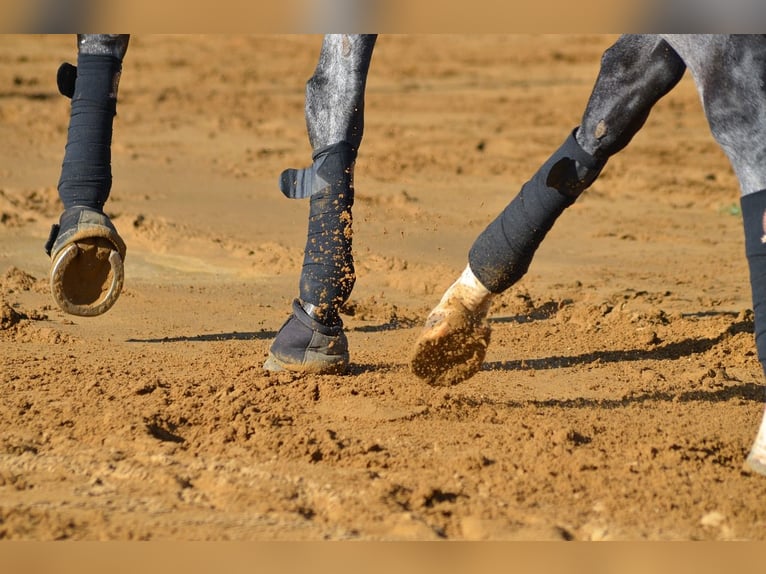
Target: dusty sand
620,393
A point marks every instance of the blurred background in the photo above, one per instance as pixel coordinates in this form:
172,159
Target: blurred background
321,16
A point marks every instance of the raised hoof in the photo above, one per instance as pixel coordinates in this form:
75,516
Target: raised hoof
303,345
87,269
452,346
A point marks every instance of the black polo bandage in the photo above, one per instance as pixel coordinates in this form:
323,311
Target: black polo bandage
754,221
501,254
86,175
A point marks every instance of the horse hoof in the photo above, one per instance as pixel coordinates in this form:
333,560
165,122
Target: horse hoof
756,458
452,346
87,270
756,463
87,277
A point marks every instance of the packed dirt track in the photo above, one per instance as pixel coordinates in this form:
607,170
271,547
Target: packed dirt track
620,394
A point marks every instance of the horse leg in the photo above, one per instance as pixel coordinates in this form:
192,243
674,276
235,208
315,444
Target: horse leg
635,72
312,339
87,253
729,73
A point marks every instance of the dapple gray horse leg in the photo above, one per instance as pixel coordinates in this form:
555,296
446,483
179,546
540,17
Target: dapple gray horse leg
312,339
86,251
635,72
730,73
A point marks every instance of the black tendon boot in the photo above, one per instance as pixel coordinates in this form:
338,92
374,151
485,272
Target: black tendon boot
454,342
501,254
312,339
754,220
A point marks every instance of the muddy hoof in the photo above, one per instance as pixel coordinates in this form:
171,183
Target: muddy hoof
756,458
87,254
756,463
452,346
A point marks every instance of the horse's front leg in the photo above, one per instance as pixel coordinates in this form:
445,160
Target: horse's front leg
87,253
635,72
312,339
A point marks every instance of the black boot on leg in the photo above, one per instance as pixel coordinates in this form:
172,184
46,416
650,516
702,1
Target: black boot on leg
312,339
754,219
86,251
454,342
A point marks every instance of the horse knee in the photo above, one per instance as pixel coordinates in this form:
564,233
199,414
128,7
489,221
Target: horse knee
635,73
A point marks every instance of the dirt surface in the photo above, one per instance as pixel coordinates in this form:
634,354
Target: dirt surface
620,392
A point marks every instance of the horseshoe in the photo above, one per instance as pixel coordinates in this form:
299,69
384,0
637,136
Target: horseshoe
76,301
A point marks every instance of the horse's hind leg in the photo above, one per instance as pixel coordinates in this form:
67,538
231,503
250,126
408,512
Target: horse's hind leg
87,253
730,72
635,73
312,339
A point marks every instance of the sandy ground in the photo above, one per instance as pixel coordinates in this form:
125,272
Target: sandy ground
620,394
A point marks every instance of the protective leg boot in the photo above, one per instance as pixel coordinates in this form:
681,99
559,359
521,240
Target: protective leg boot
304,345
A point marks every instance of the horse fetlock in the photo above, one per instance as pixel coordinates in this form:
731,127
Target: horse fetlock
501,254
466,293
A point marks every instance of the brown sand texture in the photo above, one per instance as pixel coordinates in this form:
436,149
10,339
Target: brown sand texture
620,392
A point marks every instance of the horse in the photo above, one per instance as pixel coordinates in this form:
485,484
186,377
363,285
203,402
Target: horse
87,253
730,75
638,70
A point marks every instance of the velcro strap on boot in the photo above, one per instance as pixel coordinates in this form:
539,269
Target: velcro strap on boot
66,78
303,183
55,228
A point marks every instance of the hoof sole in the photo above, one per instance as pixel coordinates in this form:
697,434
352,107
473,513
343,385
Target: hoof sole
87,276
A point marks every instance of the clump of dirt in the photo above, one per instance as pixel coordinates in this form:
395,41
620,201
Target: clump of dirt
19,207
9,316
16,279
378,309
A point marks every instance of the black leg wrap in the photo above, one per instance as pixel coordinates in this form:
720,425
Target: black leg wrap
86,176
501,254
754,220
328,275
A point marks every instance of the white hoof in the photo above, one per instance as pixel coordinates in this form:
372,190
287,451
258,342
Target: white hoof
452,346
756,460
